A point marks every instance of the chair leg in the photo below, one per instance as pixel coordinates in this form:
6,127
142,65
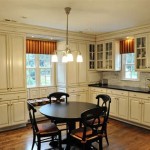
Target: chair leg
39,143
60,141
33,142
100,144
106,135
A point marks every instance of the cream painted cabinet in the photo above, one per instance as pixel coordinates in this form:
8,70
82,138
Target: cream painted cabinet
72,73
108,57
12,62
119,103
142,53
94,92
139,106
12,112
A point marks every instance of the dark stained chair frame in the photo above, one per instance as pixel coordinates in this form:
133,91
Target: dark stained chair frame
95,127
39,137
104,100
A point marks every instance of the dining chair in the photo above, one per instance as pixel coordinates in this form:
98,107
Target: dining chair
58,97
104,100
43,132
90,131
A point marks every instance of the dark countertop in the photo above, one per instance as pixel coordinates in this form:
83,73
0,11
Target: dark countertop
125,88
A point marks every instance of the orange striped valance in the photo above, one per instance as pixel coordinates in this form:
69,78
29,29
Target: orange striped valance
40,47
127,46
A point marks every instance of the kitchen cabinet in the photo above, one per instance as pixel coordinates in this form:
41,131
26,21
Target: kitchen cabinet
91,57
108,57
12,109
139,108
12,62
93,92
142,53
72,73
119,103
79,94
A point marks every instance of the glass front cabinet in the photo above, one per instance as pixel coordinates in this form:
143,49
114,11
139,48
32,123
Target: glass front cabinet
142,54
108,56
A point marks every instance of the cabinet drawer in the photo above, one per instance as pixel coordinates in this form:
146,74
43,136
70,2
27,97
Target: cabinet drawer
139,95
79,89
17,96
2,97
101,90
117,92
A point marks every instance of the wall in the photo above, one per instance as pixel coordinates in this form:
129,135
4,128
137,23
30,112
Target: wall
114,78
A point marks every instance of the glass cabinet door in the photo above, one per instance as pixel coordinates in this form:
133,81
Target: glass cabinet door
140,53
91,56
100,56
108,55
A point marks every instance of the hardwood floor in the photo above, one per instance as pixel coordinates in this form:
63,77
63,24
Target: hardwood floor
121,137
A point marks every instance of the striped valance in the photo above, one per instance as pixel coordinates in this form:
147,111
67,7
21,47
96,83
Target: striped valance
127,46
40,47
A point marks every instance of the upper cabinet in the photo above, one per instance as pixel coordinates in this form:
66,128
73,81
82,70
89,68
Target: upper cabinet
108,57
12,62
142,52
72,73
91,57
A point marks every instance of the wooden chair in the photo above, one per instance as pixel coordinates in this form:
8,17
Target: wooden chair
91,131
104,100
58,97
44,132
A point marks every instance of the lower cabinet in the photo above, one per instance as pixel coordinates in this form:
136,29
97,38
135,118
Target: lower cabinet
119,103
139,105
79,94
12,112
93,92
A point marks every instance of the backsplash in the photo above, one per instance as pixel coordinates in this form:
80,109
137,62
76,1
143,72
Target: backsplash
114,78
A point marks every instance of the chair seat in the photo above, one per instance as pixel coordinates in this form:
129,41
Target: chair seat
47,128
78,134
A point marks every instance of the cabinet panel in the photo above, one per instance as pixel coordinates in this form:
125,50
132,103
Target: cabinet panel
3,63
113,106
18,111
4,114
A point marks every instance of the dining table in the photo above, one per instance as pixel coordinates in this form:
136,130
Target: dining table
69,112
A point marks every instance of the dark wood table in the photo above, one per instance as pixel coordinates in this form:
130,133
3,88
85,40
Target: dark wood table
67,112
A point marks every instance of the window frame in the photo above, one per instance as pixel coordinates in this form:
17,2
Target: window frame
37,72
123,68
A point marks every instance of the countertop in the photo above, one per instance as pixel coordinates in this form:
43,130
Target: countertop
125,88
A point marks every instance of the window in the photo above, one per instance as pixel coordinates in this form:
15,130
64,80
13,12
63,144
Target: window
38,70
128,67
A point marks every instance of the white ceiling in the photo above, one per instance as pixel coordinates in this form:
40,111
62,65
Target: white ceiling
88,16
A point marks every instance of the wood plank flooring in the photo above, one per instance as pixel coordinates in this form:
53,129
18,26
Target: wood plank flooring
121,137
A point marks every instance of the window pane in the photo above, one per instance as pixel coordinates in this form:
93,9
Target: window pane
44,61
31,77
30,60
127,75
129,58
44,77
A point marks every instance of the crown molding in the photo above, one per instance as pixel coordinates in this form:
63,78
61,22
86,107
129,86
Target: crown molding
43,31
123,33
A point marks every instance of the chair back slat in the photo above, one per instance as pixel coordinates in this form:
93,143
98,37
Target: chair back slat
58,96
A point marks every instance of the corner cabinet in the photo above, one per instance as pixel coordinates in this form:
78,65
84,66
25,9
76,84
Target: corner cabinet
142,45
108,57
12,62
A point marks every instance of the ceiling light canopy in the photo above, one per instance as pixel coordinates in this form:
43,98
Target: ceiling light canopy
67,53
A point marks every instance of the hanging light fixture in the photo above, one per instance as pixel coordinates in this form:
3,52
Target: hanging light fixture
67,53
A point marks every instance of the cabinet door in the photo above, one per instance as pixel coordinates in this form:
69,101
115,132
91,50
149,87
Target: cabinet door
82,70
113,105
93,97
146,112
72,67
73,97
4,114
17,62
123,107
82,96
3,63
18,111
135,109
